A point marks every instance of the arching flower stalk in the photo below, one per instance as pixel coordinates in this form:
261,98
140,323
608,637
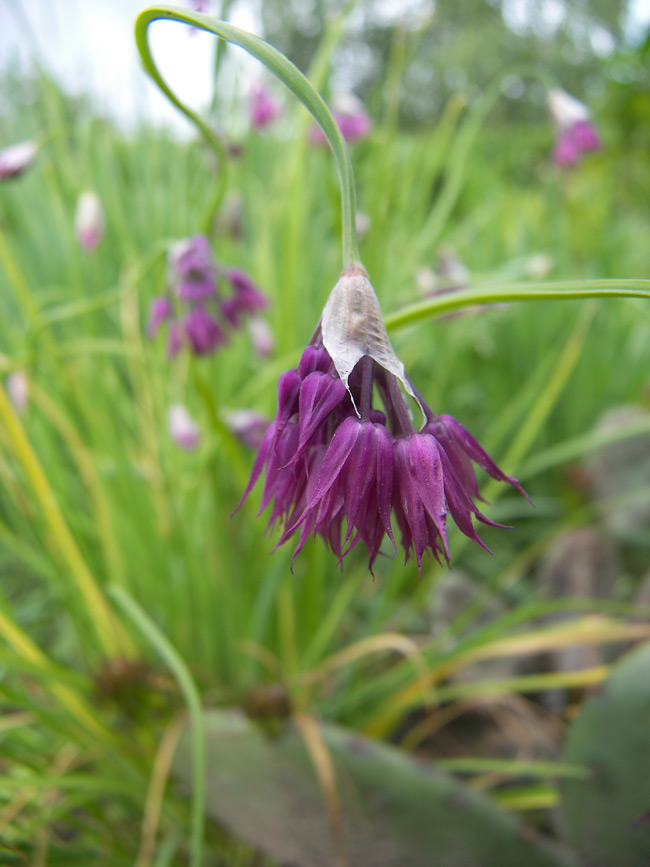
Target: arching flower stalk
339,467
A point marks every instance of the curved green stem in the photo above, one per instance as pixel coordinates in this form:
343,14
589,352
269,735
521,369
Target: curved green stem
562,290
287,73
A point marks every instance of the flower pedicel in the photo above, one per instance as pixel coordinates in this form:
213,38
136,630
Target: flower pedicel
339,467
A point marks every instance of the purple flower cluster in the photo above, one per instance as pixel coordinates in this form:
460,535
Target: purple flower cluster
575,134
338,467
198,312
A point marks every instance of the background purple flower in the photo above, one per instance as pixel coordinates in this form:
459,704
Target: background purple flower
200,316
192,271
575,133
89,221
351,117
264,108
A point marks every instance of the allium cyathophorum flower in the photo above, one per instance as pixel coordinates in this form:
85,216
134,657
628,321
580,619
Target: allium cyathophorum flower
16,159
339,467
575,134
351,117
206,301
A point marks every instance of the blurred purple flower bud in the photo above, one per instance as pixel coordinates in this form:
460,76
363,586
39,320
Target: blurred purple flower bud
18,390
174,339
89,223
264,107
575,133
246,299
192,271
160,311
203,332
16,159
182,428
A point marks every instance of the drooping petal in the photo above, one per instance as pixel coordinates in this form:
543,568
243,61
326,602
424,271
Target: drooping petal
478,454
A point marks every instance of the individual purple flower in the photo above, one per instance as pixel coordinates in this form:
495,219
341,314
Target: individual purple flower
205,301
192,271
89,222
575,134
202,332
264,108
351,117
16,159
338,467
245,299
182,428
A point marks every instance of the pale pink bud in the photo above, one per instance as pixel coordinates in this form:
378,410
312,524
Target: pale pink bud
16,159
89,221
18,390
261,337
182,428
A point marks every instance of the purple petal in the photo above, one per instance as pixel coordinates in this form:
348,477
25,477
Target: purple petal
160,310
472,449
320,393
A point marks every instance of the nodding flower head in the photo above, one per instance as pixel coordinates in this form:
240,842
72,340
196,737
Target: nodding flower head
575,134
338,466
205,301
16,159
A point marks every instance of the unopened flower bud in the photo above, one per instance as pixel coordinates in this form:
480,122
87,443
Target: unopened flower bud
18,390
16,159
182,428
89,222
